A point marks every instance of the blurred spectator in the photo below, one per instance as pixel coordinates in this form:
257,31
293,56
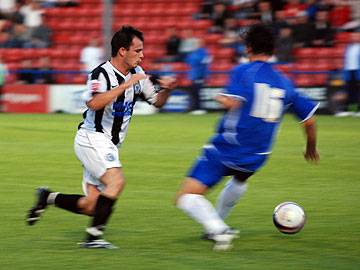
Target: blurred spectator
60,3
16,36
40,37
173,41
3,75
44,73
311,9
32,12
206,9
232,38
265,12
92,55
219,14
280,21
243,9
16,16
231,33
284,45
198,62
188,43
352,74
25,75
278,4
7,6
323,33
303,30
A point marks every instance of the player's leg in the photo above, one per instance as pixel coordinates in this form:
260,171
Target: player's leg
192,201
45,197
234,189
114,183
190,198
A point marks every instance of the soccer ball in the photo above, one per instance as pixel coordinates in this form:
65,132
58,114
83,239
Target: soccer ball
289,217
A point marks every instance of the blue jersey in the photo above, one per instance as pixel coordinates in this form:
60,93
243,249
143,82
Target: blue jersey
245,135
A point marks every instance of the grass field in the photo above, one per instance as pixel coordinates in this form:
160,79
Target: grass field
150,231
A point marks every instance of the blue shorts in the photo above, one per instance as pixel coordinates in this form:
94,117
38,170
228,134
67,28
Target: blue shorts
210,168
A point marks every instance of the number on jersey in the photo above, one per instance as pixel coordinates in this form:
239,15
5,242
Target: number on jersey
268,102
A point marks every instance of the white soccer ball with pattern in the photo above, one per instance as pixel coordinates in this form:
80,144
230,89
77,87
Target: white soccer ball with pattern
289,217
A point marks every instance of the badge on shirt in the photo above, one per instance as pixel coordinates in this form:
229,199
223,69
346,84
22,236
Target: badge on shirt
137,88
95,85
109,157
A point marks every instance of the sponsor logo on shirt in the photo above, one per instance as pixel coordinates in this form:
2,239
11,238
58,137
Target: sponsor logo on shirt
122,109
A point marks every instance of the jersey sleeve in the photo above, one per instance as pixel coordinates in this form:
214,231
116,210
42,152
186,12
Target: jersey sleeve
303,107
95,86
148,89
149,93
235,88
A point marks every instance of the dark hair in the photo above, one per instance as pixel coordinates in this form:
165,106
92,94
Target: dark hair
123,38
260,39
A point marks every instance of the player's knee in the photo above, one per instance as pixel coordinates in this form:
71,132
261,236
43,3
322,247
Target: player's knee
87,206
178,199
118,184
89,210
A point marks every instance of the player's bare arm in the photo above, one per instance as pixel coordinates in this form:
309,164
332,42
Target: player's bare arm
228,102
99,101
311,153
166,85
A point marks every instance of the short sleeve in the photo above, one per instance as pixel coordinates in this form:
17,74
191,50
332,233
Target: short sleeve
303,107
235,88
95,86
149,92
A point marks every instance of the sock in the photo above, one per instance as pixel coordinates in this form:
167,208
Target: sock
201,210
229,196
103,210
66,201
51,198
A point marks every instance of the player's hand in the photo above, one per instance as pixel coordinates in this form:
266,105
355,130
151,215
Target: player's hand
167,82
135,78
312,155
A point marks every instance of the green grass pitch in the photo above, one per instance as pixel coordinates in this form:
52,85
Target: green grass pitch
151,232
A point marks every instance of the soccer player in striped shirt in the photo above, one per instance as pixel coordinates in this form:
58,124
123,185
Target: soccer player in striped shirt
112,90
256,100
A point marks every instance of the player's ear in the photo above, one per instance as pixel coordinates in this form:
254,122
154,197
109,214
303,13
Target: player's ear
122,51
248,50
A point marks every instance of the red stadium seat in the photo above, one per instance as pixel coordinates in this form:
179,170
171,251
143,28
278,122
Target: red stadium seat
338,51
303,81
343,37
217,80
222,53
202,24
179,66
222,66
303,66
284,67
305,53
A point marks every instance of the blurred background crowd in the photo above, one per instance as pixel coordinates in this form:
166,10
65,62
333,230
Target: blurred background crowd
59,41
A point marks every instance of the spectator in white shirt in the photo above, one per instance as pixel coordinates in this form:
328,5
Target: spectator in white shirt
92,55
352,75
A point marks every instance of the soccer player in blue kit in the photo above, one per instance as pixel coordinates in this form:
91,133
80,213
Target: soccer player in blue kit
256,99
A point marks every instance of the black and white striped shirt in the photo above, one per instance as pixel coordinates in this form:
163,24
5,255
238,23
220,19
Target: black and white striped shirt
113,120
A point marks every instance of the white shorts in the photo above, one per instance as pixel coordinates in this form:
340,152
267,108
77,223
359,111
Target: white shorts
96,153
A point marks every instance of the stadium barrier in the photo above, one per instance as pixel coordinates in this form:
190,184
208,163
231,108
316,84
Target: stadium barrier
67,98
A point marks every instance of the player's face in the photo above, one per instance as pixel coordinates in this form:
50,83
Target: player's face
135,54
